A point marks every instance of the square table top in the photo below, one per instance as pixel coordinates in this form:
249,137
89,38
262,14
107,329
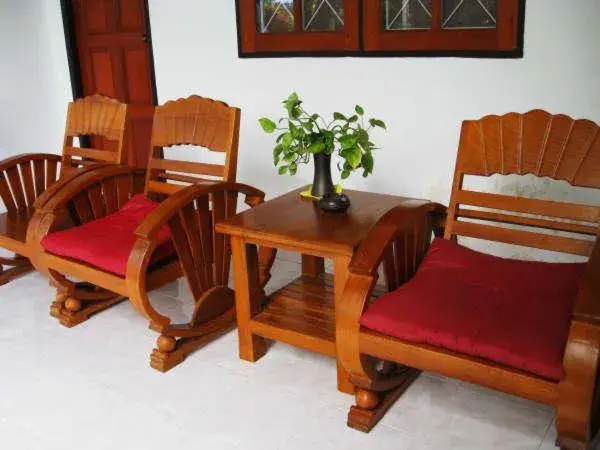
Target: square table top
295,222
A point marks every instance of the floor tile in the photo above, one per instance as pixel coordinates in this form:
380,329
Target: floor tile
90,387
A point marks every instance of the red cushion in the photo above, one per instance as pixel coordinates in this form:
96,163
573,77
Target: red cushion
106,243
512,312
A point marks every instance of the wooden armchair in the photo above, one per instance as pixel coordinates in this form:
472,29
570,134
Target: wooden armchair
442,317
125,243
25,178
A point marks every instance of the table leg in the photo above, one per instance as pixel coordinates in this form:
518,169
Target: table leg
312,266
340,275
247,298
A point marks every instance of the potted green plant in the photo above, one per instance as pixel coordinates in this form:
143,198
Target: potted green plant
302,135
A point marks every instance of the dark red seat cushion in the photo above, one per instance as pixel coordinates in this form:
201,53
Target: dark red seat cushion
512,312
106,243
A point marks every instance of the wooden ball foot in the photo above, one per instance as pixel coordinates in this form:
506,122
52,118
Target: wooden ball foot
166,344
366,399
73,305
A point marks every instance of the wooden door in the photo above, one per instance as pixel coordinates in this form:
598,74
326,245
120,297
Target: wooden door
114,55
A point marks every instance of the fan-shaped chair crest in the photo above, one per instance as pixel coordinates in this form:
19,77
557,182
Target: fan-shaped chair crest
536,142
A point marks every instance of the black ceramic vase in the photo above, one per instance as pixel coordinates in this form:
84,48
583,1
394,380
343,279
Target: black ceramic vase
322,183
323,186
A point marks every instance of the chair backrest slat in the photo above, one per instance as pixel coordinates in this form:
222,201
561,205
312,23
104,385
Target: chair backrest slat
526,221
216,170
537,143
98,117
91,154
199,122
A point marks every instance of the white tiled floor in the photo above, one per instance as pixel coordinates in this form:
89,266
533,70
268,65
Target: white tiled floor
90,387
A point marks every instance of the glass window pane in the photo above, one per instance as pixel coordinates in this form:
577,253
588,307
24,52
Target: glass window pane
275,16
467,14
323,15
406,14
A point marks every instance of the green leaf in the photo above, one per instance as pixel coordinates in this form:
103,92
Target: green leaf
286,141
291,104
290,157
359,110
316,147
345,174
293,168
363,138
308,126
293,98
353,119
277,150
295,131
267,125
339,116
348,141
378,123
367,163
353,157
283,170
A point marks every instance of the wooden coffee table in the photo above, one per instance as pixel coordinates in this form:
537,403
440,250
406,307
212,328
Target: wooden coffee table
303,312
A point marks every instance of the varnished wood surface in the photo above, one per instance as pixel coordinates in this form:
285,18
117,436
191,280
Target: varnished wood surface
503,37
302,313
30,179
253,41
538,143
206,124
13,230
290,221
305,313
115,59
190,211
105,120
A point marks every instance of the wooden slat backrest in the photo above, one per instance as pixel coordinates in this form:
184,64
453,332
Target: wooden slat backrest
537,143
97,116
196,121
23,178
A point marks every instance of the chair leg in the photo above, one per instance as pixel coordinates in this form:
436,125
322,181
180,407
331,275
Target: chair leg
18,266
571,444
77,305
213,316
371,406
577,405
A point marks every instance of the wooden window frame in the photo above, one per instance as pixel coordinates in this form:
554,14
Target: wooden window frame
500,38
362,35
254,42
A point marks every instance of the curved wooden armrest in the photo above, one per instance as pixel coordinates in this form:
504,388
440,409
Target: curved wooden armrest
397,220
202,254
400,238
161,215
32,181
52,208
79,183
587,304
13,161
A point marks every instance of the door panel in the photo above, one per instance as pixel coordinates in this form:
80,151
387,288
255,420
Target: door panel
132,16
115,60
136,59
102,79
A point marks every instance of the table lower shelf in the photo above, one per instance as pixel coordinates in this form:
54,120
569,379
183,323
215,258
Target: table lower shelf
301,314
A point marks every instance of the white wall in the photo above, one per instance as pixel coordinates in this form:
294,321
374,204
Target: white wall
34,77
423,100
